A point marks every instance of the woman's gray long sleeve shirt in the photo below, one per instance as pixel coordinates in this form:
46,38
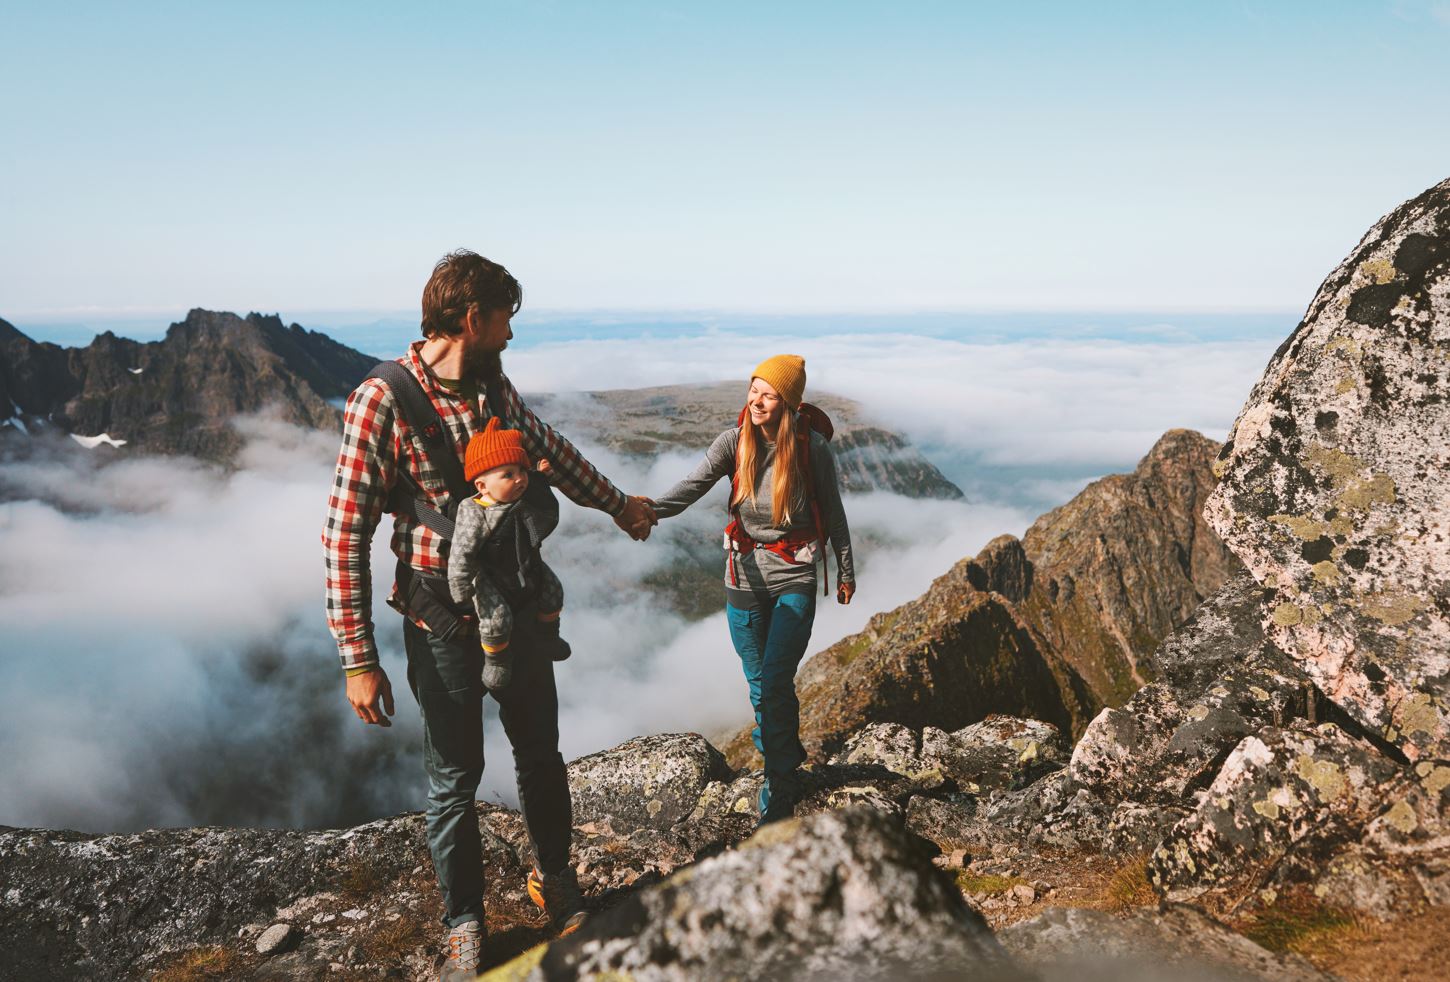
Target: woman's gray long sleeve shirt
762,574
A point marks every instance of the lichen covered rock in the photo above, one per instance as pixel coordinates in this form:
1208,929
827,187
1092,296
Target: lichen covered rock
649,782
1001,752
1281,794
1334,480
845,894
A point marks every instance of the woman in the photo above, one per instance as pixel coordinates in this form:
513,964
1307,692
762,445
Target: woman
785,501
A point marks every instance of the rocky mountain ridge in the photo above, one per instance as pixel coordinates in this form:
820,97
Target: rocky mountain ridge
178,395
1054,626
1282,777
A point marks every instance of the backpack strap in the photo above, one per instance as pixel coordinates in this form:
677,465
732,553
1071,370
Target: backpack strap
418,411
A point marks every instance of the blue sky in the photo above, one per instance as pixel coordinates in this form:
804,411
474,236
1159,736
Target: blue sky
746,157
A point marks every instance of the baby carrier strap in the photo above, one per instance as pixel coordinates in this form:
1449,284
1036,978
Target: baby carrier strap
412,404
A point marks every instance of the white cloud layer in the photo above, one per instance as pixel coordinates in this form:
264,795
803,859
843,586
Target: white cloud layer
165,651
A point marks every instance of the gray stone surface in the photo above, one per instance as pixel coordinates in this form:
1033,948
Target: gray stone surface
999,753
845,894
1281,794
649,782
277,939
1175,944
1334,480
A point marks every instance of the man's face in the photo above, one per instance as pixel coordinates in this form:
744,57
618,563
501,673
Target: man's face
485,334
503,484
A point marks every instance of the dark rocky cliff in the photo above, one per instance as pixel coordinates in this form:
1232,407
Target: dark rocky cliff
178,395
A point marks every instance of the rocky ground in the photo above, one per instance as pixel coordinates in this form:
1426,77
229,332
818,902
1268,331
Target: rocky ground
1274,802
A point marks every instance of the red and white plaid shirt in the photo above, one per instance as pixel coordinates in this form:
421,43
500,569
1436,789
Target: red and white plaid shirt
374,442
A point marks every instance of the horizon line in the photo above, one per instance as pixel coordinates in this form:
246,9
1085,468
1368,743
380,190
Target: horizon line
74,314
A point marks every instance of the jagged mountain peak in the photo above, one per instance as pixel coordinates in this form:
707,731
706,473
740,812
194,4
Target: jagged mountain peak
179,394
9,332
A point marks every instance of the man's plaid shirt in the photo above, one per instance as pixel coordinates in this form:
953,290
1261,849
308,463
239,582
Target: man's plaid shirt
375,442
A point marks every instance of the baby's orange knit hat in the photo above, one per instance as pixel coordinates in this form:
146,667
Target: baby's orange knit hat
494,447
786,374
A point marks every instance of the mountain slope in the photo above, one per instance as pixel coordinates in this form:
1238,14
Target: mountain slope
1053,627
647,422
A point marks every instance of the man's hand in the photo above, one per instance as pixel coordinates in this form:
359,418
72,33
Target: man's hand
637,518
371,695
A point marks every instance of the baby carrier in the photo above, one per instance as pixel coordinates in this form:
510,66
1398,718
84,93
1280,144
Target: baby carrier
426,597
739,542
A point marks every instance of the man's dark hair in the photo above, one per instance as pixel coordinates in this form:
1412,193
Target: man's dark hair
460,280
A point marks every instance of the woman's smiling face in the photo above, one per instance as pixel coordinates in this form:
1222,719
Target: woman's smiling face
764,403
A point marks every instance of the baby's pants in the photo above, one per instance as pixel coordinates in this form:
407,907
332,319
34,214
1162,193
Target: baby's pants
496,620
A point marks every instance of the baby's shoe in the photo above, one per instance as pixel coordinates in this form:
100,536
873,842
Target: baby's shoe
555,647
549,641
498,669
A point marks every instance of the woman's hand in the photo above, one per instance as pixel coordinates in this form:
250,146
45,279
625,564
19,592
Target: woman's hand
845,591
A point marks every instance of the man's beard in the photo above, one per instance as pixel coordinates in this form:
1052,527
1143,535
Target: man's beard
483,366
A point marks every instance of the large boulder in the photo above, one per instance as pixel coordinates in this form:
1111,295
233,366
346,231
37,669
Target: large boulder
1139,768
1075,944
1284,801
845,894
1334,479
648,782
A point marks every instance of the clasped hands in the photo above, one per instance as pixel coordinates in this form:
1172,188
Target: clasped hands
637,518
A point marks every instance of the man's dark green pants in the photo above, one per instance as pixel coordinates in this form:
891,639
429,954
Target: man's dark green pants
445,677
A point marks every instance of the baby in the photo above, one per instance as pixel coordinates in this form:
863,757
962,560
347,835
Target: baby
494,559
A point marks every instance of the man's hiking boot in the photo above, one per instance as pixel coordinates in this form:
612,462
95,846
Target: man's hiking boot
465,950
557,894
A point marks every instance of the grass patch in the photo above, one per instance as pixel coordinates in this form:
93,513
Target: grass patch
854,649
360,880
1129,886
198,965
392,941
989,883
1302,926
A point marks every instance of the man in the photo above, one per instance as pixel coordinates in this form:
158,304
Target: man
467,306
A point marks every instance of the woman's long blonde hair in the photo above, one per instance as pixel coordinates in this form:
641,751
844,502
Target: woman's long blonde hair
787,477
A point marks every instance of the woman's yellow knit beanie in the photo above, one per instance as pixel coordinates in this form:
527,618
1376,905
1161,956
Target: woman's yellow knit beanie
786,374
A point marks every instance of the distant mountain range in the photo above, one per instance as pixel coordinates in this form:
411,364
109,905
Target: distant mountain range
179,395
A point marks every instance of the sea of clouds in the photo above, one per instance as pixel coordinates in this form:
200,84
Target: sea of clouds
165,654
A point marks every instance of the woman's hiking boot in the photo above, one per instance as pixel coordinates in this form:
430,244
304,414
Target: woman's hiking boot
465,951
779,793
558,895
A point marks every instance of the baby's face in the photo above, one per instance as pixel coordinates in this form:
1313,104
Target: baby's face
503,484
